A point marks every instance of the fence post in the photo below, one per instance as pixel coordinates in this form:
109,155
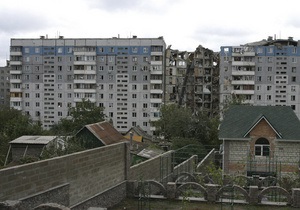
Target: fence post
212,190
296,197
253,194
171,190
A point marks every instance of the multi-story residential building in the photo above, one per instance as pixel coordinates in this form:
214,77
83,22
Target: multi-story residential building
192,79
123,75
262,73
4,84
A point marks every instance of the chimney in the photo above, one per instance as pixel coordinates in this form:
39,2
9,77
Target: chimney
134,36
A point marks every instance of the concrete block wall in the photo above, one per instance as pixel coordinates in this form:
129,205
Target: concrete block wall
147,170
88,173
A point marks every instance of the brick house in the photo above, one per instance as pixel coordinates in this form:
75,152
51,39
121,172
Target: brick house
260,140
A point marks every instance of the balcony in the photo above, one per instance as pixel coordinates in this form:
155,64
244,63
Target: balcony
243,63
155,100
15,99
156,53
84,62
92,53
15,63
155,81
15,81
15,72
85,81
157,91
241,73
242,82
156,62
243,92
15,53
18,90
243,54
84,72
85,91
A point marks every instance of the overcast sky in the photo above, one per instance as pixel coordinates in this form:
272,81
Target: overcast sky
184,24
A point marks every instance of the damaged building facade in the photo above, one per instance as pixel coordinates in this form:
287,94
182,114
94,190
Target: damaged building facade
263,73
192,79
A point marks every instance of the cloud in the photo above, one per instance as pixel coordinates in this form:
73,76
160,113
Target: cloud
12,22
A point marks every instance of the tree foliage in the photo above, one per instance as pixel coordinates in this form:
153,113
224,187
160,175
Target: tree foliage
84,113
13,124
178,123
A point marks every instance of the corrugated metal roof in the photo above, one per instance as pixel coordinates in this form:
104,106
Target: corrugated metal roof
33,140
105,132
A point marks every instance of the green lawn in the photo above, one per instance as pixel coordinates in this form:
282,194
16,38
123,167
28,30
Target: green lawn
133,204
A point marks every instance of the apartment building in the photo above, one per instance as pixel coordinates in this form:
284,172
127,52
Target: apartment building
192,79
4,84
123,75
266,72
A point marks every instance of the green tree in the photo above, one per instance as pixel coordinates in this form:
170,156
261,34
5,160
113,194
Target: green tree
13,124
84,113
181,127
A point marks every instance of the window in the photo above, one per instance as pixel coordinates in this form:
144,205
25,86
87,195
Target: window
145,50
269,97
59,95
145,96
134,68
145,123
133,87
27,95
110,77
293,88
27,104
258,87
110,86
260,59
110,96
269,68
269,78
133,95
133,114
258,97
145,87
59,77
293,98
145,106
37,104
37,50
269,87
145,114
145,77
59,114
110,105
133,77
37,95
294,60
133,105
294,69
294,79
270,59
37,86
258,78
262,147
60,50
259,68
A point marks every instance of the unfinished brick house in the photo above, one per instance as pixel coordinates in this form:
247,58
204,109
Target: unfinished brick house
260,140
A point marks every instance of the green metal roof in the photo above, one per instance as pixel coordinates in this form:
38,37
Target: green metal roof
240,119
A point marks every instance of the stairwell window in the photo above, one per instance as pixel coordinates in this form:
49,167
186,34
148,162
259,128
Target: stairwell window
262,147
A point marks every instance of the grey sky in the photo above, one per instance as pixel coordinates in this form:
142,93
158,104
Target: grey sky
184,24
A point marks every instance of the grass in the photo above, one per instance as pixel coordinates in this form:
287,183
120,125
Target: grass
133,204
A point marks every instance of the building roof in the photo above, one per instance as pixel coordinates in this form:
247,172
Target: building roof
239,120
138,131
105,132
33,140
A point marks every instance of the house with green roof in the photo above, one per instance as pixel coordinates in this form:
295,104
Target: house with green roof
260,140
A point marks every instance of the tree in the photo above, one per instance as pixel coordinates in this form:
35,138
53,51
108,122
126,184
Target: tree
181,123
13,124
84,113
